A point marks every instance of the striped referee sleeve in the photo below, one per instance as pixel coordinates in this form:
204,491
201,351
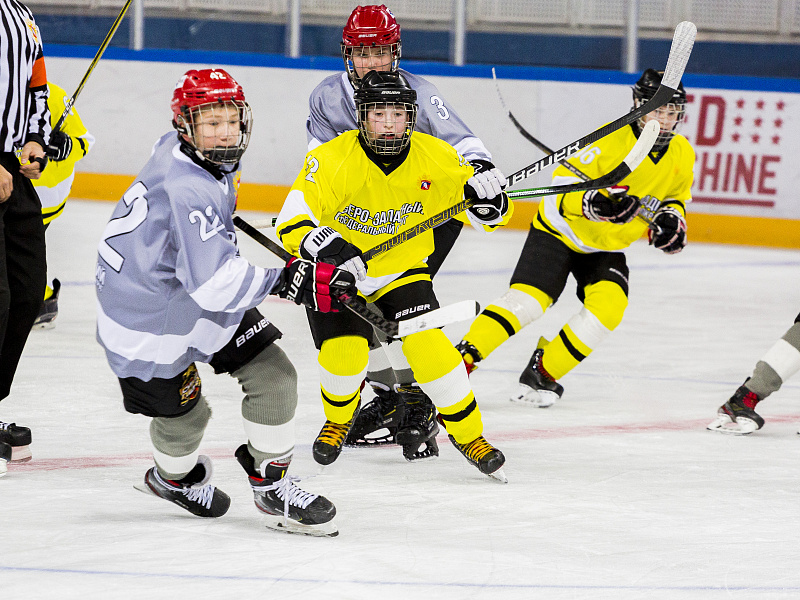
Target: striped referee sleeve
23,79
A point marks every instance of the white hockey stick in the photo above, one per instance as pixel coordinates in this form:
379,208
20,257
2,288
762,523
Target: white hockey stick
681,49
452,313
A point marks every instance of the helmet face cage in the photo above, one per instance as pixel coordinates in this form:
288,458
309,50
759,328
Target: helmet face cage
670,115
213,119
391,52
383,139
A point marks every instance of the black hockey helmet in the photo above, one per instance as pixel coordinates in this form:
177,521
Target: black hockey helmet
645,88
383,92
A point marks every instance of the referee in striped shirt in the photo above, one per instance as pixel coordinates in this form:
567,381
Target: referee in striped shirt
24,133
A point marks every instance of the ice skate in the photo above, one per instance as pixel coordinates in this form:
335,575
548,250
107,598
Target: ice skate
19,438
193,492
469,355
5,457
485,457
376,423
536,386
49,311
286,506
328,445
418,425
738,416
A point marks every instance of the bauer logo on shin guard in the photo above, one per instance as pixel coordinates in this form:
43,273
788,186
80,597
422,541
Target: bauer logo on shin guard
251,331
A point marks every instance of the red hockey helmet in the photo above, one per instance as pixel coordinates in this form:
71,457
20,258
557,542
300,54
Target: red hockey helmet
370,27
201,91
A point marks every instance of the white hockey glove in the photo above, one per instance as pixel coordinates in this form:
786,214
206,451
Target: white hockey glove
671,235
486,188
615,206
488,181
326,245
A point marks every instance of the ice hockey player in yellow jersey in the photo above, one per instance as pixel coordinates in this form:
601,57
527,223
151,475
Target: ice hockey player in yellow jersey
356,191
584,233
67,146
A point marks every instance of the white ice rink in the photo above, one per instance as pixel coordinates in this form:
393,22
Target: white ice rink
617,491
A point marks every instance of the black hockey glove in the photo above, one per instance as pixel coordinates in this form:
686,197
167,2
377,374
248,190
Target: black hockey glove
59,147
315,285
671,234
326,245
486,188
614,206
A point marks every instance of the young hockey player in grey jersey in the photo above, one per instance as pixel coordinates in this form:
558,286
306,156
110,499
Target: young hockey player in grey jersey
172,289
371,42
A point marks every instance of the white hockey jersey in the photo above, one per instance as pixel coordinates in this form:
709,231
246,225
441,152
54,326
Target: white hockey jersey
171,285
332,111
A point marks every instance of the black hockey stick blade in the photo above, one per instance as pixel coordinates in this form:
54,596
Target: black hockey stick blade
681,49
633,159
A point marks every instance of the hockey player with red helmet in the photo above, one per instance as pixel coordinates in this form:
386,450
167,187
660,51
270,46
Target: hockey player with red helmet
371,42
173,290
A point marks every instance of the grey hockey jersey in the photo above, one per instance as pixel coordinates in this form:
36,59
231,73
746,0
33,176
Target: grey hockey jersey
171,285
332,111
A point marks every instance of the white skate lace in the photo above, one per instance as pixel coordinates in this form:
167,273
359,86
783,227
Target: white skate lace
4,425
203,495
291,494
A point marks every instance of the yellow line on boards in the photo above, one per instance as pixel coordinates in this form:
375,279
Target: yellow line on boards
722,229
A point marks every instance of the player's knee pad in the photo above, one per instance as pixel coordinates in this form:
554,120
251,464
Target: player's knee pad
525,302
269,382
607,301
176,440
430,354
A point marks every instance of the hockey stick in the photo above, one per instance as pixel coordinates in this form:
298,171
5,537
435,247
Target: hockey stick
460,311
103,46
572,168
636,155
679,53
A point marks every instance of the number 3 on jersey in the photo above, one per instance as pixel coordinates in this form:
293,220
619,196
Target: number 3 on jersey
134,198
441,109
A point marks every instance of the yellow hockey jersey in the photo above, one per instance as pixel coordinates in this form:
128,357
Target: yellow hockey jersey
343,188
54,185
661,177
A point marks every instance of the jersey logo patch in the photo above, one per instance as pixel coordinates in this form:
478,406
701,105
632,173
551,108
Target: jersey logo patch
206,232
425,185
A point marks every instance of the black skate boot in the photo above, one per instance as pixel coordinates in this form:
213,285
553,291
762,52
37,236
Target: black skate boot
738,415
470,355
480,453
19,438
536,386
286,506
384,412
418,425
49,310
328,445
5,457
193,492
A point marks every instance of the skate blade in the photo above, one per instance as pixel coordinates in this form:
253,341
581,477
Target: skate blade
321,530
20,454
538,398
386,439
3,468
44,325
145,489
724,424
498,476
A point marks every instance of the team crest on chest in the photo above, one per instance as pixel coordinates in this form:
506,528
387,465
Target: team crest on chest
425,185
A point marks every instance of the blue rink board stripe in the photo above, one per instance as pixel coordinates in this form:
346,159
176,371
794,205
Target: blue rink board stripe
329,63
408,584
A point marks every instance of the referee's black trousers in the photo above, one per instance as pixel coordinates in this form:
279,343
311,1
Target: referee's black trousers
23,269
